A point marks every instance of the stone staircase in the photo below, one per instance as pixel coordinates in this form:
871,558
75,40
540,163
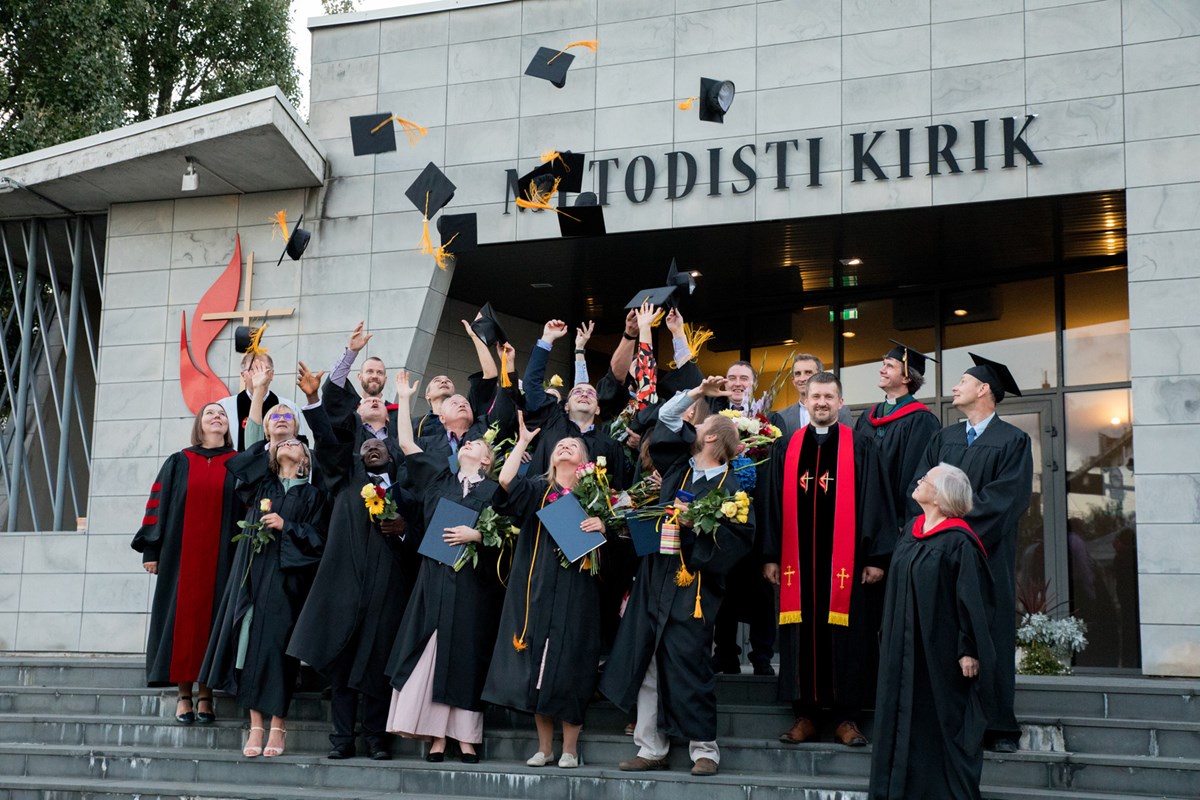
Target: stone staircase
78,727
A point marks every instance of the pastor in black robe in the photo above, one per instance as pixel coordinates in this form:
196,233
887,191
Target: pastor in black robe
555,674
999,464
929,719
901,434
659,620
274,583
462,607
822,665
190,520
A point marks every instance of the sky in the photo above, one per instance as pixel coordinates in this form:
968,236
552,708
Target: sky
302,10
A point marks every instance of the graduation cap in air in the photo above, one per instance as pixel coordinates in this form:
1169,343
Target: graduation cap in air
460,234
297,240
585,218
429,193
715,98
488,329
567,167
369,134
910,358
552,65
249,340
679,285
537,187
995,375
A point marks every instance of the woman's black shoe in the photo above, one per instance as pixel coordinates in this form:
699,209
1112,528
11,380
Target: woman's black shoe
470,758
205,717
187,718
435,758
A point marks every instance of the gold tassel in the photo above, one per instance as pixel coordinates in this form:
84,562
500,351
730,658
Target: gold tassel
280,219
586,565
411,129
550,155
539,199
590,44
682,576
425,244
698,613
696,338
658,318
686,104
505,381
519,644
256,347
442,256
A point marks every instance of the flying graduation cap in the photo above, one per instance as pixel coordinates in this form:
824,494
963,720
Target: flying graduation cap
374,133
567,167
995,375
460,234
715,98
679,285
249,340
430,193
552,65
297,240
585,218
488,329
910,358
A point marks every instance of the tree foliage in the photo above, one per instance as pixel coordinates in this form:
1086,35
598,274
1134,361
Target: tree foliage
71,68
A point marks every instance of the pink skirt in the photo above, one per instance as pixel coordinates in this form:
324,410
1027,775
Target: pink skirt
414,715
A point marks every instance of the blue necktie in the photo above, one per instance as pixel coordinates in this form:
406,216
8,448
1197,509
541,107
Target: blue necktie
971,436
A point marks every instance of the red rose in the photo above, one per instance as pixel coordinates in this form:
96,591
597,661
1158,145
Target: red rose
380,491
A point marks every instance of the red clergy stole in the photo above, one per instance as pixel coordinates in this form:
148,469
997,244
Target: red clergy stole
911,407
802,492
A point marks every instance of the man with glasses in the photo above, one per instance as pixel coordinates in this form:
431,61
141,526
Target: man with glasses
237,406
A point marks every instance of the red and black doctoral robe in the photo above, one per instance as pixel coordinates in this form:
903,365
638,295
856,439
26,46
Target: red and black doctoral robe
190,518
827,646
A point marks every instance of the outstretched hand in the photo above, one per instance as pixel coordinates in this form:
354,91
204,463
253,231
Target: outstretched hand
359,338
404,389
675,323
583,333
308,382
646,315
524,435
555,329
260,375
713,386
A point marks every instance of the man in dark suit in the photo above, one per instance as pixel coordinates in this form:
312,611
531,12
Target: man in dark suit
795,417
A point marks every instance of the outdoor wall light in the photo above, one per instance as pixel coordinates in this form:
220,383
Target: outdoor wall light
191,180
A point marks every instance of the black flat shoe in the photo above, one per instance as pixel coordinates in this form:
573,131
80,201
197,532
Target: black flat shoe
381,755
341,751
186,718
435,758
470,758
205,717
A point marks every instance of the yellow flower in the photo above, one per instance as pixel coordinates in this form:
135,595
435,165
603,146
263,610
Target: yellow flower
264,505
375,506
367,492
729,509
743,518
741,497
556,380
729,412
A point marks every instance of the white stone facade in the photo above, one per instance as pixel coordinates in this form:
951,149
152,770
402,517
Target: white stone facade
1115,85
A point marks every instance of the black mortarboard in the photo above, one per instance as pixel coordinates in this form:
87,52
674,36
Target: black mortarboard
550,65
568,168
487,328
716,97
995,375
682,280
249,340
679,285
296,243
430,191
910,358
585,218
537,185
659,296
367,140
459,232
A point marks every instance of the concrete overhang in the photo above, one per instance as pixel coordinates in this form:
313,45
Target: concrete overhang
255,142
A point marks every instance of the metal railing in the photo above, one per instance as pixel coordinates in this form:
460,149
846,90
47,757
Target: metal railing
49,319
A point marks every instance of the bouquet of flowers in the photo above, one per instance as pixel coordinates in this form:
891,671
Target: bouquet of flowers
497,531
755,435
643,493
257,533
705,514
380,505
1049,643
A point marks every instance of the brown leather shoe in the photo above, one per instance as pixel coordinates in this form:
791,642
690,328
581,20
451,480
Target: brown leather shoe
639,764
802,730
704,766
848,734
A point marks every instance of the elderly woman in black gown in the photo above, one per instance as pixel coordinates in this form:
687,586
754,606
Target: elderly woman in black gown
444,645
937,663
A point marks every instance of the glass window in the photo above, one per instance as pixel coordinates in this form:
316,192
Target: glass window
1096,338
1012,323
872,324
1101,528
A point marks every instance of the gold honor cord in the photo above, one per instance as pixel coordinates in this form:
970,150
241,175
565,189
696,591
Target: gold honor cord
684,576
519,642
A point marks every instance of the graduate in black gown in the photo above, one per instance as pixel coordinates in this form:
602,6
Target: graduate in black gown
444,647
938,665
999,461
186,540
548,646
901,426
832,535
246,656
349,623
660,659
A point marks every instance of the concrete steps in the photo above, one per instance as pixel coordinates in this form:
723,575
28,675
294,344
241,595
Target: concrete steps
86,728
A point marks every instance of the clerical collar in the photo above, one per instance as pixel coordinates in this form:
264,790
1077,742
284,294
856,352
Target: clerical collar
819,431
712,473
889,405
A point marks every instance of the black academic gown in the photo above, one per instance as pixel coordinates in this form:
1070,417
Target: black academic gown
190,518
275,582
462,607
1000,466
901,441
659,619
824,665
358,597
929,719
563,634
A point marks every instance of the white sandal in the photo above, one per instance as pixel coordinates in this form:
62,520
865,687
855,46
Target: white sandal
252,752
272,752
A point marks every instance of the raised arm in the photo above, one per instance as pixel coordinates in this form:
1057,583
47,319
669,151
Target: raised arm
582,334
487,362
623,355
404,430
535,370
512,464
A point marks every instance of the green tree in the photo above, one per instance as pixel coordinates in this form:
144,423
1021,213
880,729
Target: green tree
71,68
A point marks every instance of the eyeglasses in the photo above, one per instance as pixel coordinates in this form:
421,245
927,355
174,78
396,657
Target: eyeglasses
285,416
582,393
291,443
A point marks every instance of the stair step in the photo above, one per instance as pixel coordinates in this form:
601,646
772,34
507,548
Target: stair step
1109,698
1131,737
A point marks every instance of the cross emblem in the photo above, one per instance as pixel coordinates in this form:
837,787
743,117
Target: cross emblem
842,577
825,481
247,313
804,479
788,573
